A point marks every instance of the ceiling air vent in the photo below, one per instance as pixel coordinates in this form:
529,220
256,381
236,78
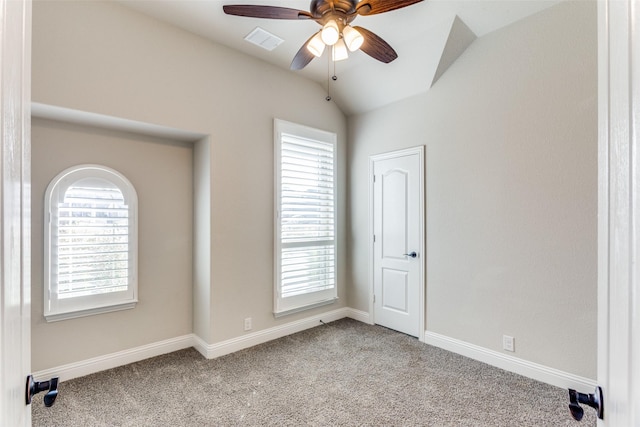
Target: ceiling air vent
263,38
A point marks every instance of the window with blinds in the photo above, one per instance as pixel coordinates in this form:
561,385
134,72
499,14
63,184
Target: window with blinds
90,243
92,231
306,217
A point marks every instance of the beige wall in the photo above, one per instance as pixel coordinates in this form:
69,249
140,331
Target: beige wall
104,58
511,143
161,172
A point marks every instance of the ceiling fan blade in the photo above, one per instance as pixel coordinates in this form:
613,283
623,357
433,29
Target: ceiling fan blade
372,7
270,12
303,57
375,47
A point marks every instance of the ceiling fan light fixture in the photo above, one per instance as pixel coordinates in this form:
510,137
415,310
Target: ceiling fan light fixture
335,17
316,45
330,33
352,38
340,51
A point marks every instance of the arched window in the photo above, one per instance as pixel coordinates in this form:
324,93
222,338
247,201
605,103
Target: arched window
91,243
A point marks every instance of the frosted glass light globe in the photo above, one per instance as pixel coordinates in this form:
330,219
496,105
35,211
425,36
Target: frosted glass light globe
330,33
352,38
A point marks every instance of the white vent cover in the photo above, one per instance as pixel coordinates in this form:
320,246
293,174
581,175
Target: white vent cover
263,38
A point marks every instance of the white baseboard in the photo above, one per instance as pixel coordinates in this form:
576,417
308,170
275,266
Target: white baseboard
510,363
359,315
211,351
113,360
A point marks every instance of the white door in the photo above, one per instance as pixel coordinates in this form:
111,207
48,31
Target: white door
619,211
15,356
398,240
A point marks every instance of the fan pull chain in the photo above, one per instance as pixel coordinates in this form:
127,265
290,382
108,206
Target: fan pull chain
334,77
328,98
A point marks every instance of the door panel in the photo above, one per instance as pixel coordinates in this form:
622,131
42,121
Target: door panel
395,290
15,358
394,238
397,221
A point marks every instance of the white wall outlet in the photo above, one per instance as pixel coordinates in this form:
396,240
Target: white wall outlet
508,343
247,324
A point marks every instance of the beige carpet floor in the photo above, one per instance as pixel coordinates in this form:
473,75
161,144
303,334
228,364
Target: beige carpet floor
345,373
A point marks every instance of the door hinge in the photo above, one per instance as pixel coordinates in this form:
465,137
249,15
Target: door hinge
374,238
374,297
374,178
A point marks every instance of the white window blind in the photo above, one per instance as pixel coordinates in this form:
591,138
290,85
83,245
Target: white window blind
306,215
90,243
93,240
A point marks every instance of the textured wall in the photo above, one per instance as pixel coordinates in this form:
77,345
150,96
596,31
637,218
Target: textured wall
102,57
511,145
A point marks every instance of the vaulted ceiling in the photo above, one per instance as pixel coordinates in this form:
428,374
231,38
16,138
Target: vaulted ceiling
428,37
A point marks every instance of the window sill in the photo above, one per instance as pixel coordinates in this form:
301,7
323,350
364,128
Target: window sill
283,313
55,317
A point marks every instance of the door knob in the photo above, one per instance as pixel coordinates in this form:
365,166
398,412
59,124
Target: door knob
35,387
411,254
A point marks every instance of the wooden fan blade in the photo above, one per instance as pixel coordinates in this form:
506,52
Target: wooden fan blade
303,57
372,7
375,47
270,12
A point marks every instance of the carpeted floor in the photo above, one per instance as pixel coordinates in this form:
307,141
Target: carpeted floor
345,373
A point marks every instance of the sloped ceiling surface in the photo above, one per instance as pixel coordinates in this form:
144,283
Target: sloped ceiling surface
427,36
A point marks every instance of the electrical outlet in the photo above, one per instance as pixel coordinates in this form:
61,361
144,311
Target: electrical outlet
508,343
247,324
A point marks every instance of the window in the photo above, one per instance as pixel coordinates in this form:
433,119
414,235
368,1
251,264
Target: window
90,243
305,240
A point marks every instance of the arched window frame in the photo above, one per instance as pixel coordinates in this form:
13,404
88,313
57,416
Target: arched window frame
56,308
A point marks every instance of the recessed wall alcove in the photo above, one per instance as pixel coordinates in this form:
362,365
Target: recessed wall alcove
170,169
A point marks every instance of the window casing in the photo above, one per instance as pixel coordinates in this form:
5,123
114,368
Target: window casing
90,243
305,229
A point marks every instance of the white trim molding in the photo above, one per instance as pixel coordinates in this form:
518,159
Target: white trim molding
359,315
509,363
619,211
212,351
113,360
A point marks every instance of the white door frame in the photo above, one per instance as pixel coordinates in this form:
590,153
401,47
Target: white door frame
619,210
15,219
422,260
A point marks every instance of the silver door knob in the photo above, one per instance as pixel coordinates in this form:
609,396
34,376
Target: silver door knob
411,254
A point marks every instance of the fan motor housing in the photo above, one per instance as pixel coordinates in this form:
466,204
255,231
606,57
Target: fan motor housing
320,8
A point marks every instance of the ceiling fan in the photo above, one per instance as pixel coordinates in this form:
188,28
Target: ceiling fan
335,17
